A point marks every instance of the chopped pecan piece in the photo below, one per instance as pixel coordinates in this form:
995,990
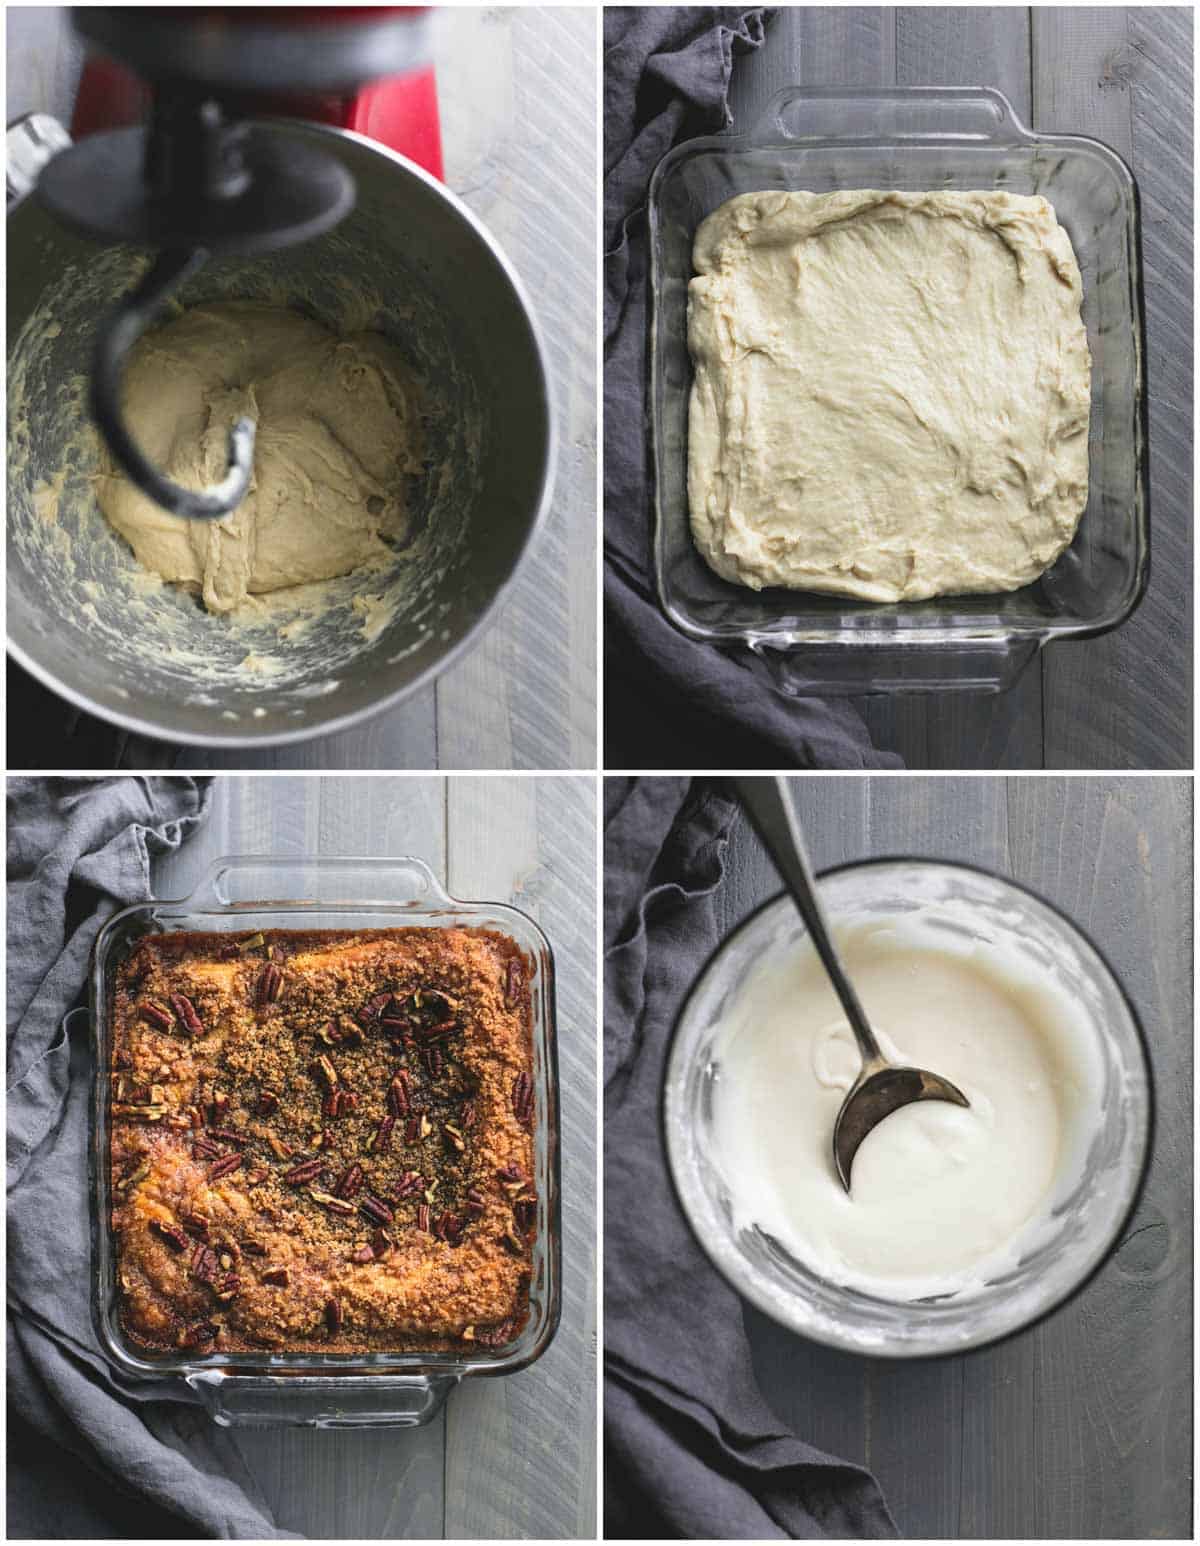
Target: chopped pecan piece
270,985
229,1135
381,1242
196,1224
525,1213
218,1107
198,1335
307,1170
423,1216
171,1236
333,1315
227,1288
370,1011
225,1166
454,1138
323,1069
139,1113
410,1184
351,1182
467,1114
494,1336
399,1094
474,1203
279,1149
205,1148
412,1129
252,942
365,1253
334,1204
516,1246
375,1209
252,1248
155,1015
448,1227
277,1277
139,1173
522,1099
515,981
380,1140
185,1013
204,1263
512,1172
267,1104
434,1062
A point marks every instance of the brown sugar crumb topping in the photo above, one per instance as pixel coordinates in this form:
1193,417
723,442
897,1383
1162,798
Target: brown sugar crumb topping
354,1110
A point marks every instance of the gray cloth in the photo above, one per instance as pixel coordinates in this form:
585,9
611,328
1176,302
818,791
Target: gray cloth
79,850
691,1449
669,699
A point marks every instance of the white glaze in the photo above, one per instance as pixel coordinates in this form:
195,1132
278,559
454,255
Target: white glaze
944,1199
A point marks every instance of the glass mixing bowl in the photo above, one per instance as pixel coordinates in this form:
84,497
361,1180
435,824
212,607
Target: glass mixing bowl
1085,1221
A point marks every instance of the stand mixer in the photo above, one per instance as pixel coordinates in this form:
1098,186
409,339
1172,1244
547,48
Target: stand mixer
354,230
198,179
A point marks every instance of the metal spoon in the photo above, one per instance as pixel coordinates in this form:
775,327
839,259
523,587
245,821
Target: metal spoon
881,1087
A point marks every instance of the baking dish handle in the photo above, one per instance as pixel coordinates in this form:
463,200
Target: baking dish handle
969,113
318,1401
977,665
256,881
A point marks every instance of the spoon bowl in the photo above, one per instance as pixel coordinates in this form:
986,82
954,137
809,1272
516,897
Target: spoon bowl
875,1094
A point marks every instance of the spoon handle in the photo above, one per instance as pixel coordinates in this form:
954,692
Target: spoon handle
767,803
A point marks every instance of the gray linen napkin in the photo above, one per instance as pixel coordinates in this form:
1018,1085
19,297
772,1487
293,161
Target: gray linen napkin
668,699
79,849
691,1449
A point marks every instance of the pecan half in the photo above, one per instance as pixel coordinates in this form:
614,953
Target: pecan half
375,1209
333,1315
434,1062
423,1216
204,1264
307,1170
205,1148
185,1013
474,1203
227,1288
351,1182
270,985
224,1167
448,1227
155,1015
380,1140
370,1011
522,1099
171,1236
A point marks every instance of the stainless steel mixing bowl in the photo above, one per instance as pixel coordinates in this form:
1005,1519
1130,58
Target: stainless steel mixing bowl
412,262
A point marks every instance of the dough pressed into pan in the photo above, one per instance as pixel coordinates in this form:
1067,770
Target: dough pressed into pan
891,392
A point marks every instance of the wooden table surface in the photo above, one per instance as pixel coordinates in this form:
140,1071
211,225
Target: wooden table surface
1081,1427
1122,75
517,96
511,1457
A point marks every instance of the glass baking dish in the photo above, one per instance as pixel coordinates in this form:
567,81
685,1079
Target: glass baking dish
928,138
327,1390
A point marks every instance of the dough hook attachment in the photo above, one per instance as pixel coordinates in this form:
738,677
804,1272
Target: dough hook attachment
117,334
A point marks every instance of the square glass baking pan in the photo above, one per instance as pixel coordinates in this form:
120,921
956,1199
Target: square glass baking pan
929,138
326,1390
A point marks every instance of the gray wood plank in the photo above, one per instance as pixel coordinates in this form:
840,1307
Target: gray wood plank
513,1457
520,1458
1125,75
1080,1428
526,698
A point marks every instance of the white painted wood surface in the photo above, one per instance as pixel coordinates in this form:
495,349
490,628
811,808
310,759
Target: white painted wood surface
517,96
512,1457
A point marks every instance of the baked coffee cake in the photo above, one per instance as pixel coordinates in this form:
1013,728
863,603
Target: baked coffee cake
322,1141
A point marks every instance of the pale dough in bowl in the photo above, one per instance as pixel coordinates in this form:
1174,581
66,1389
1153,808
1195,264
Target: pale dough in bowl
338,435
891,392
